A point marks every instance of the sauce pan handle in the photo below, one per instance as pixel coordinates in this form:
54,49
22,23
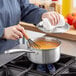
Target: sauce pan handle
18,50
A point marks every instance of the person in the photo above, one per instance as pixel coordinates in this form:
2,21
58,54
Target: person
14,11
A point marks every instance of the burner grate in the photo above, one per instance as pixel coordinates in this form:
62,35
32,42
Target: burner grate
69,70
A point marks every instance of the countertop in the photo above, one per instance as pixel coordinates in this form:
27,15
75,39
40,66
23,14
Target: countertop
68,47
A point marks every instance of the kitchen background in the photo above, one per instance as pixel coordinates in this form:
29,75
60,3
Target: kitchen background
46,2
39,1
19,65
68,46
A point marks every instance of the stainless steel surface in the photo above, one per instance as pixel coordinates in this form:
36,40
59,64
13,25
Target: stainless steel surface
38,56
17,51
46,56
59,29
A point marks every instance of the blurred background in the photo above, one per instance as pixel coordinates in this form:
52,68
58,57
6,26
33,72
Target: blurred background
33,1
47,2
70,4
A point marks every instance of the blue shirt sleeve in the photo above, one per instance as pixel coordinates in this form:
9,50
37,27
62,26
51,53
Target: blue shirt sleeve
1,29
1,32
31,13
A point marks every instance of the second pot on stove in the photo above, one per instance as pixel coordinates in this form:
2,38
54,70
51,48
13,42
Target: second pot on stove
45,56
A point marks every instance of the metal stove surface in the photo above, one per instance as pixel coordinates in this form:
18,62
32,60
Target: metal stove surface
21,66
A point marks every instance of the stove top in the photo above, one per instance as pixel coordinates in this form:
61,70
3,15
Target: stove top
21,66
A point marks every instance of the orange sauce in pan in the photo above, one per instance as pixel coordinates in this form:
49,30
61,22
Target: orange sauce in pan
46,44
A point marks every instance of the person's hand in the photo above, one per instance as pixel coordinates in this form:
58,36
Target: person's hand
53,17
13,32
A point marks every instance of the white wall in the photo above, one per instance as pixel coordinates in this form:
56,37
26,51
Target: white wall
74,3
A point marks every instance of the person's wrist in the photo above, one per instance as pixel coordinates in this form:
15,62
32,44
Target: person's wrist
3,36
43,15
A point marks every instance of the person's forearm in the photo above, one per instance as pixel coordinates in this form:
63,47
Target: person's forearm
32,14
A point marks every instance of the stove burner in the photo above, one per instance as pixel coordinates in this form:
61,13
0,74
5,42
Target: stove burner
41,68
51,68
69,70
46,68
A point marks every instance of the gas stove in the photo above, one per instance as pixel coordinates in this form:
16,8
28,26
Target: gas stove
21,66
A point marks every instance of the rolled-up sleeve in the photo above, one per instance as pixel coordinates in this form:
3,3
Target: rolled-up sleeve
31,13
1,29
1,32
